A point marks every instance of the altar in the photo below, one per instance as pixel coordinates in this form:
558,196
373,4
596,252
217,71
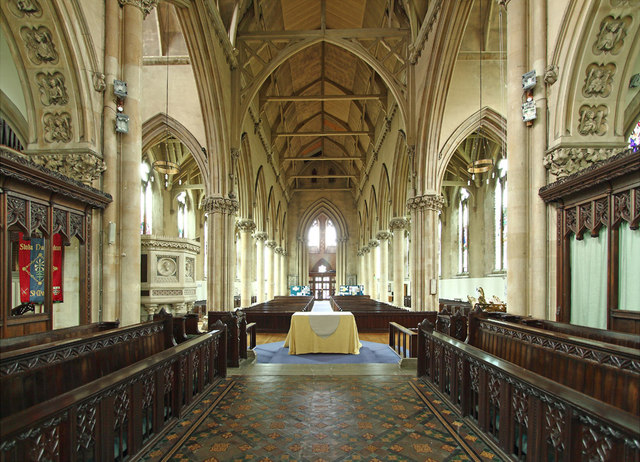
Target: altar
322,332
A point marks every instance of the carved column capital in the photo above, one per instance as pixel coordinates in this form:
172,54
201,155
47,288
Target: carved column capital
84,167
373,244
235,153
398,223
566,161
143,5
271,244
343,239
219,204
260,236
245,225
383,235
433,202
278,250
365,250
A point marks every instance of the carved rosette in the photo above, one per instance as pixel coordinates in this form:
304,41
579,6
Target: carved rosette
398,223
373,244
383,235
433,202
84,167
566,161
260,236
246,226
143,5
218,204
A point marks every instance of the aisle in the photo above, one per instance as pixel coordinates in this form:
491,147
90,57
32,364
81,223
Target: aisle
321,419
321,305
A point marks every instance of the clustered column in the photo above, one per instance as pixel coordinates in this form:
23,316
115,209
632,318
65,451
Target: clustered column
398,226
260,237
246,227
364,269
277,262
283,272
341,262
424,272
383,291
221,258
270,256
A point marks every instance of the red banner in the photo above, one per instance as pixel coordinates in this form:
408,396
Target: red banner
56,274
24,260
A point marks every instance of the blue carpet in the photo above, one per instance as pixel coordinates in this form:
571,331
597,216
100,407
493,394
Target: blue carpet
275,353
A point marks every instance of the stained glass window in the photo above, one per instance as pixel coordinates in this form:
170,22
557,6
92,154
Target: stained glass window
463,231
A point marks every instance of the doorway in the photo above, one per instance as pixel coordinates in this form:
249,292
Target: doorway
322,284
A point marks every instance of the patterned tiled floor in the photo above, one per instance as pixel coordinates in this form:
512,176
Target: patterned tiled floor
306,418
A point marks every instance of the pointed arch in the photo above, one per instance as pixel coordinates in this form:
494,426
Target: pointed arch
155,130
373,214
260,206
400,175
485,120
384,207
328,208
244,173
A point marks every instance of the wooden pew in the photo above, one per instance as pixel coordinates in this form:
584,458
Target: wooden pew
15,343
274,316
607,372
117,415
529,416
31,375
453,325
236,323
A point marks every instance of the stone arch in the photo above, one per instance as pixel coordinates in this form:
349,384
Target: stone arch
384,206
401,172
260,206
244,173
249,94
487,120
156,129
328,208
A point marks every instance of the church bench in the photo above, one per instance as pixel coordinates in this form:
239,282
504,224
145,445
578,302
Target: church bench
453,325
274,316
15,343
35,374
374,316
119,414
236,322
403,341
529,416
607,372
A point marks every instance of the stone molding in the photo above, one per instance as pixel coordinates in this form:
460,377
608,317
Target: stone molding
271,244
219,204
373,244
433,202
143,5
415,49
383,235
260,236
167,242
84,167
563,162
246,225
398,223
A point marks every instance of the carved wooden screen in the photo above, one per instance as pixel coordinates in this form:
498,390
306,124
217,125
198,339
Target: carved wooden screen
599,200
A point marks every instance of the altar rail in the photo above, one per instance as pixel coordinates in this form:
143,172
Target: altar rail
530,417
114,417
610,373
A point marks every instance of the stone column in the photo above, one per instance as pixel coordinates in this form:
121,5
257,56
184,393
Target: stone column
277,263
284,286
260,237
110,295
270,256
538,229
246,227
303,266
341,270
374,267
364,270
221,258
424,272
383,291
131,156
517,183
398,226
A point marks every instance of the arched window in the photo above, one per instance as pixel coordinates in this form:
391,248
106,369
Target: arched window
314,237
146,198
330,234
500,209
182,214
463,232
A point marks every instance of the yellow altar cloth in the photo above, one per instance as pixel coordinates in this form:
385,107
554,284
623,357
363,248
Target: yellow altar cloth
323,332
